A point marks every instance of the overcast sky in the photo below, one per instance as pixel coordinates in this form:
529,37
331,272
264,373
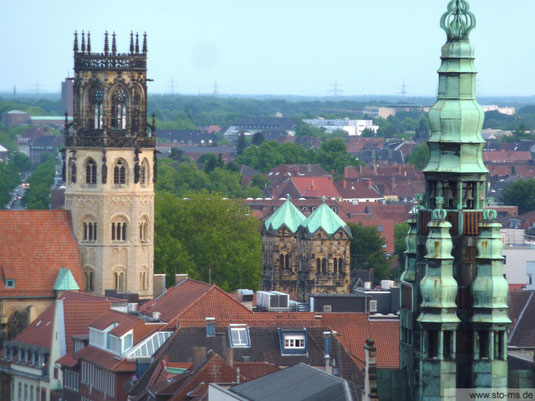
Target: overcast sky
276,47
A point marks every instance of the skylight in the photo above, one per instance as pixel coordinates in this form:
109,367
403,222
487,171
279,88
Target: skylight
239,336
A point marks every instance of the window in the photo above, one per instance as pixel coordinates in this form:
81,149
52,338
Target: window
118,229
91,172
327,308
373,305
118,281
239,336
89,280
432,340
294,341
318,266
118,109
128,341
448,345
10,283
335,266
119,172
144,172
144,229
96,98
483,344
89,231
143,278
55,373
324,266
72,165
498,344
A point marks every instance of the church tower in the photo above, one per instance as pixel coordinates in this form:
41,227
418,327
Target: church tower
453,294
110,167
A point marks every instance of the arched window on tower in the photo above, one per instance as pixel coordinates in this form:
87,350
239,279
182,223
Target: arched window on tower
97,98
118,281
335,266
340,265
324,266
118,229
318,266
118,109
90,172
89,230
144,229
144,172
89,277
119,172
288,264
281,261
144,279
72,168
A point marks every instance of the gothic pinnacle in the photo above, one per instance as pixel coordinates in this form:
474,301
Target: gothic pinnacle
113,44
75,48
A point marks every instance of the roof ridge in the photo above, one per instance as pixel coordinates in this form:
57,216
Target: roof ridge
214,287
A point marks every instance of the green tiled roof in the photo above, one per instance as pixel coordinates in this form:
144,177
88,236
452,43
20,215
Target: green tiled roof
287,215
65,281
324,217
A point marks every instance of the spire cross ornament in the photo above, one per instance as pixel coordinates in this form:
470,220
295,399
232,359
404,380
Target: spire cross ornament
458,21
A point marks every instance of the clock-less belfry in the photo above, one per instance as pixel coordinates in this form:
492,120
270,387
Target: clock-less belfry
109,166
454,296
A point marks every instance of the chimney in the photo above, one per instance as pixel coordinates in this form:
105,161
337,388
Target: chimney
399,169
375,169
159,285
199,355
345,183
180,277
229,357
155,316
210,327
370,374
327,350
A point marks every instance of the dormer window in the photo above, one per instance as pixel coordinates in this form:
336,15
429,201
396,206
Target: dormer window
293,342
239,336
10,283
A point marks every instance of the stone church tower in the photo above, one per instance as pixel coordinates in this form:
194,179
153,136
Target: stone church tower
110,167
306,255
453,316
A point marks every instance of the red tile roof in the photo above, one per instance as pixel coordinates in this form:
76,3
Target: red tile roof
78,311
125,322
315,187
34,245
504,156
39,332
356,190
192,299
105,360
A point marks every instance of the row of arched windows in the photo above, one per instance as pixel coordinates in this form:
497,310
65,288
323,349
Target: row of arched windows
321,266
120,172
119,229
119,282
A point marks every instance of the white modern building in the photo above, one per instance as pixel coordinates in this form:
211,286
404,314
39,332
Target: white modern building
352,127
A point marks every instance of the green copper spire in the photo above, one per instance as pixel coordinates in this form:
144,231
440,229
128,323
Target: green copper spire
456,119
287,215
325,218
438,287
489,289
65,281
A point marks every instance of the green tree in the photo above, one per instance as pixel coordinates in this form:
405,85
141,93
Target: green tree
520,193
368,133
260,181
419,156
209,238
400,241
258,138
37,196
333,156
241,145
177,154
367,251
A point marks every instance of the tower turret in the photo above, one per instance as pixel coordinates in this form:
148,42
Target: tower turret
110,169
455,194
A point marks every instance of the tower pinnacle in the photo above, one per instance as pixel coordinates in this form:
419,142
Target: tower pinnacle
458,21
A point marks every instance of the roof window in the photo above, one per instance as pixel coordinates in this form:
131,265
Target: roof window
10,283
239,336
293,342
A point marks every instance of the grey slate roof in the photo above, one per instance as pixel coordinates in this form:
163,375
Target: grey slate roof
297,383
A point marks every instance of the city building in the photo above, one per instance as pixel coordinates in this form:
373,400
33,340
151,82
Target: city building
453,318
306,256
67,96
110,167
352,127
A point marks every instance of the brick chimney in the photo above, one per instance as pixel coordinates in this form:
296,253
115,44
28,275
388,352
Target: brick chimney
199,356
